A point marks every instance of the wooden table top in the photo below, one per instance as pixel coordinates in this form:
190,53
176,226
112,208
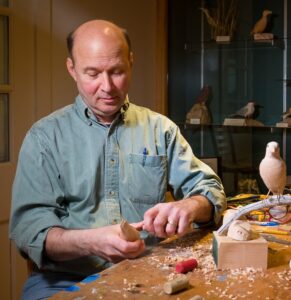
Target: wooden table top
144,277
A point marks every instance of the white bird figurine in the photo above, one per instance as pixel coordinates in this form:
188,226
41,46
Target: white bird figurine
262,23
246,111
273,169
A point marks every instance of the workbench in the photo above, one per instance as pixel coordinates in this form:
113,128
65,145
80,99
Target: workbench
144,277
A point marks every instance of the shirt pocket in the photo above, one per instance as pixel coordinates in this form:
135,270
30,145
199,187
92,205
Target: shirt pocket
147,178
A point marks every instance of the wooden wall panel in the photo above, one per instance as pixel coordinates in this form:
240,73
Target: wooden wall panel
5,262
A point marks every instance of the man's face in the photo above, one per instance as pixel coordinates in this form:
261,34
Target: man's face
102,71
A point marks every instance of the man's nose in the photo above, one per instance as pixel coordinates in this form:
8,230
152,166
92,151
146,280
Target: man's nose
106,82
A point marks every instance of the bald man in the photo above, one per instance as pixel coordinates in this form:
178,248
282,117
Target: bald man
85,167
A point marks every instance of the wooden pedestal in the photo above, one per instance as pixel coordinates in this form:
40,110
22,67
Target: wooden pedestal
263,37
231,254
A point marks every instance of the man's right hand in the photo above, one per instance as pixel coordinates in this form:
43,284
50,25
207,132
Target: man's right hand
62,244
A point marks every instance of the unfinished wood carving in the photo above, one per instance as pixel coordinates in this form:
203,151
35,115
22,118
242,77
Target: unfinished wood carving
240,230
229,213
128,232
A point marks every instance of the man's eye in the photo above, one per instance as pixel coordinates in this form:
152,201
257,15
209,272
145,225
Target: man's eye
117,72
92,74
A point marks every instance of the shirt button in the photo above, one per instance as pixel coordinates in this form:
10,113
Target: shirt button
111,193
112,161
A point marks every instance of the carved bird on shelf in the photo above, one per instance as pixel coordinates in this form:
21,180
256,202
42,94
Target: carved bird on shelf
199,111
287,114
247,111
262,23
273,169
204,95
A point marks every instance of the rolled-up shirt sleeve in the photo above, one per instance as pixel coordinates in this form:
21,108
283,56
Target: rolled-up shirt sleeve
37,198
189,176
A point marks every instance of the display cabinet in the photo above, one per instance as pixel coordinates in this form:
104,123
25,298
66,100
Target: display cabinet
236,72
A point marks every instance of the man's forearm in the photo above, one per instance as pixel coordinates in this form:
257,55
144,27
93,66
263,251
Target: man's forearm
62,244
105,242
203,208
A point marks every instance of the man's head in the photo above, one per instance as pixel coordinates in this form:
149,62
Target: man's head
100,61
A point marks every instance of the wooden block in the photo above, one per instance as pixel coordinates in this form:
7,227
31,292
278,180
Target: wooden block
258,37
234,122
242,122
231,254
284,123
223,39
195,121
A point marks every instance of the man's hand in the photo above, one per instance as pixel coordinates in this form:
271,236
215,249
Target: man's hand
166,219
114,248
62,244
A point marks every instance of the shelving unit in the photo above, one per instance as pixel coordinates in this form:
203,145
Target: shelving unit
239,149
237,72
236,45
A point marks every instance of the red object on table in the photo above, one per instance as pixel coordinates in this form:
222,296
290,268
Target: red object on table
186,265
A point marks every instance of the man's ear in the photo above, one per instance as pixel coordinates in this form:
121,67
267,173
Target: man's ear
71,67
131,59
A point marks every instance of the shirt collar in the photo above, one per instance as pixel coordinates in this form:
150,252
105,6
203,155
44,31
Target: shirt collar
88,116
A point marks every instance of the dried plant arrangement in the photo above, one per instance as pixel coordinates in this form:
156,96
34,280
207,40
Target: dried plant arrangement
221,18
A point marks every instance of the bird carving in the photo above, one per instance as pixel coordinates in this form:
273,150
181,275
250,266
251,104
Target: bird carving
200,110
287,114
246,111
204,95
273,169
262,23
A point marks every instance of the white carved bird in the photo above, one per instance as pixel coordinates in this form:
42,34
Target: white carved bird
246,111
273,169
262,23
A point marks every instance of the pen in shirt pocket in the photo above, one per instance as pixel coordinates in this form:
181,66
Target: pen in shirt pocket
144,153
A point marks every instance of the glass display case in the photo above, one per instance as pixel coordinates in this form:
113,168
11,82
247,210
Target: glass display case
237,72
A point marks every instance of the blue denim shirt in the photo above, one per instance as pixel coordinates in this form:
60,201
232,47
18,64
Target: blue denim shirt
74,172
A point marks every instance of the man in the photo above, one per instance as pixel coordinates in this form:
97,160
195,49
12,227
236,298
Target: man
85,167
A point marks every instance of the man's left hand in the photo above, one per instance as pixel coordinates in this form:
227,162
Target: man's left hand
167,219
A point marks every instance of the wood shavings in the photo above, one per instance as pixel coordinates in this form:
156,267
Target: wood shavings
116,291
196,297
206,266
206,279
285,275
133,287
